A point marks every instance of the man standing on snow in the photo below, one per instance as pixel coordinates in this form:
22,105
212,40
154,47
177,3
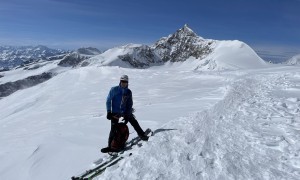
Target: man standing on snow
119,104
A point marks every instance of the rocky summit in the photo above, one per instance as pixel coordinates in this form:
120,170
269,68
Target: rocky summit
181,45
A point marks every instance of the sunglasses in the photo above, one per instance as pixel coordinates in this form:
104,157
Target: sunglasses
124,81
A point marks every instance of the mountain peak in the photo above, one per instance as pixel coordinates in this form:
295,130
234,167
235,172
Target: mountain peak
186,28
181,45
186,31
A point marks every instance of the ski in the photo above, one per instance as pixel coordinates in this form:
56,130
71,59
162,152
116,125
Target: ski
101,170
114,159
86,173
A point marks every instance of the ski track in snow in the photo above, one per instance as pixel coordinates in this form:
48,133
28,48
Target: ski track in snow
253,133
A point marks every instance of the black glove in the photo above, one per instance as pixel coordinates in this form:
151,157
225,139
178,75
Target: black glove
109,115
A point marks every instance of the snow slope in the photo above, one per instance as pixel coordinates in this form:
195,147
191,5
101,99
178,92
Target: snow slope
208,125
31,70
232,55
240,122
54,130
295,60
252,133
130,55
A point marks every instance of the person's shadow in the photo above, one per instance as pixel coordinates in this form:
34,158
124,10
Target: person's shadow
139,144
162,130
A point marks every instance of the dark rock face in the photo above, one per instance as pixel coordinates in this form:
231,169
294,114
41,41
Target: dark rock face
32,67
10,87
71,60
4,69
89,51
141,57
181,45
132,61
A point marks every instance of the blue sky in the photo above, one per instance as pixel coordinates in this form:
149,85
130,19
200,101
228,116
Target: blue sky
270,25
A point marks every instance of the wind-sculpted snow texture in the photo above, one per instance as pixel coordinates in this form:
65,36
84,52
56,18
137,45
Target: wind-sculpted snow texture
253,133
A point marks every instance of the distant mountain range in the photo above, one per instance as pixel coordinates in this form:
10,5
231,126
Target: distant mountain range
177,47
11,57
27,66
183,45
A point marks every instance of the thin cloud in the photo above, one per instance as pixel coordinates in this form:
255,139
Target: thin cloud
276,53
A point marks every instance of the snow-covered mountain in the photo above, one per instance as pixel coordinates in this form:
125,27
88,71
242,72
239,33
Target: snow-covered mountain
231,55
130,55
14,56
44,64
73,59
11,57
33,73
206,54
183,45
295,60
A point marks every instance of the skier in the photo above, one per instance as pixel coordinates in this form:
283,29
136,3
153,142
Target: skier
119,104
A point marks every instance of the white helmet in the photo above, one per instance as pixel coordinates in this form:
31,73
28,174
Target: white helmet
124,78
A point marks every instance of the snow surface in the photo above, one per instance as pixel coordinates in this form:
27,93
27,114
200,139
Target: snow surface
231,55
295,60
37,68
252,133
237,124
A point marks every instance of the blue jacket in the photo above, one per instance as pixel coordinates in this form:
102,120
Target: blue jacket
119,100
